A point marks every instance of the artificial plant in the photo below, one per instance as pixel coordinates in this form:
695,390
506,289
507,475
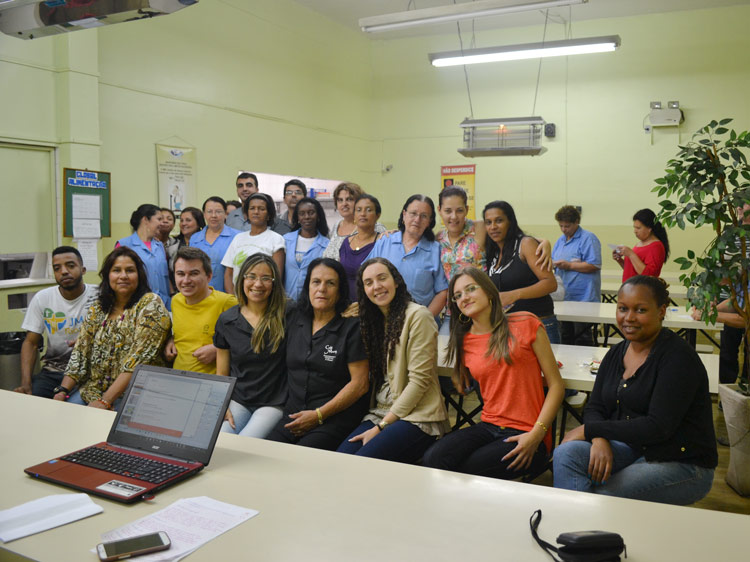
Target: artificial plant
706,184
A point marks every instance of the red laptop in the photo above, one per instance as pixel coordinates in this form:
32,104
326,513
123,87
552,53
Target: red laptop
165,431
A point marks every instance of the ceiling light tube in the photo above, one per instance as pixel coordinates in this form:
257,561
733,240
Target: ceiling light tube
457,12
528,51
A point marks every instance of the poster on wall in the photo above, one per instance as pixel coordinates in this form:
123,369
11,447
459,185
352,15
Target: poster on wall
460,176
175,166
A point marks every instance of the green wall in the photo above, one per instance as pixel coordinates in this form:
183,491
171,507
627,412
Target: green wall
273,86
601,158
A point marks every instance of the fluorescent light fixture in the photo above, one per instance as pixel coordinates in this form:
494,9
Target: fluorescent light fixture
527,51
457,12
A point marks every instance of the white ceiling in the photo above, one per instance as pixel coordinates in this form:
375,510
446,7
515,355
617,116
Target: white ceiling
348,12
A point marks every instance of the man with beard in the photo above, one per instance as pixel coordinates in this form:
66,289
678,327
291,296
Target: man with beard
58,312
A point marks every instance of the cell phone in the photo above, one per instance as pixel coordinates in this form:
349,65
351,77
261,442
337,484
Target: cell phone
134,546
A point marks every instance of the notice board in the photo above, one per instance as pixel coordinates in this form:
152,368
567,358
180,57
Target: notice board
86,203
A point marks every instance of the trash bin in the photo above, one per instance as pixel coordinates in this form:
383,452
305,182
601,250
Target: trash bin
10,359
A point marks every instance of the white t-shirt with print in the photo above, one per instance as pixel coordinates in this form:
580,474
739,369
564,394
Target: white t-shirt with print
245,245
49,313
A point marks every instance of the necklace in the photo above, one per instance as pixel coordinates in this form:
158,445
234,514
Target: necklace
358,246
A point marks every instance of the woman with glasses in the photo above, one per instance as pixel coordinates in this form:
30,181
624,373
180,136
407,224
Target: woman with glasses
326,363
305,243
507,356
416,255
406,413
251,346
261,212
215,238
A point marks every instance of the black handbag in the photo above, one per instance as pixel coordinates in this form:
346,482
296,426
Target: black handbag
581,546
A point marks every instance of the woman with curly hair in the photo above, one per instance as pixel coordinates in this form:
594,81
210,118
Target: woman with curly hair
126,326
507,356
407,413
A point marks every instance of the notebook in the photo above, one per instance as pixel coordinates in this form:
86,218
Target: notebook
165,431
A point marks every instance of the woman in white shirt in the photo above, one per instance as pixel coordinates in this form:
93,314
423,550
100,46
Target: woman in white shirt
261,213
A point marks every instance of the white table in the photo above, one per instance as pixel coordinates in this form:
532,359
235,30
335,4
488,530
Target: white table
615,274
610,289
605,312
318,505
577,375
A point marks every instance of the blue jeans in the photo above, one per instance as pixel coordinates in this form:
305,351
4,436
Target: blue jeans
632,476
552,327
252,422
400,442
479,449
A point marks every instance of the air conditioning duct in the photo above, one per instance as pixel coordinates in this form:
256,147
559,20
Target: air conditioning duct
30,21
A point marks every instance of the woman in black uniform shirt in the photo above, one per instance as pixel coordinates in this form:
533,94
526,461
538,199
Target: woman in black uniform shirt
523,284
326,362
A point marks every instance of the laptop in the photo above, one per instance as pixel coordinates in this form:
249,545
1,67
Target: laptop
165,431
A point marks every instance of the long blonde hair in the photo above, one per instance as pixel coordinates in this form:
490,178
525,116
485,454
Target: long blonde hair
270,330
501,340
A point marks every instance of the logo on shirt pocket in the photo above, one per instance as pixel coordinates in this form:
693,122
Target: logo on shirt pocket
329,354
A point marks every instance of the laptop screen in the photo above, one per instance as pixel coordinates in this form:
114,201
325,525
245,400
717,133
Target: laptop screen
173,413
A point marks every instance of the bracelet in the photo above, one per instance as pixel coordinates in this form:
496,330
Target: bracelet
320,416
107,404
542,425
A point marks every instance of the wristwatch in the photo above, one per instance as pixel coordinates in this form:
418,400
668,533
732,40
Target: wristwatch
60,388
383,424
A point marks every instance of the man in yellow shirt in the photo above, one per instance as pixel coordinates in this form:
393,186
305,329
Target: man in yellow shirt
195,311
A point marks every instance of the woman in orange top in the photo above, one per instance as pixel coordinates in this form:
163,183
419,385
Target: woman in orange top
504,355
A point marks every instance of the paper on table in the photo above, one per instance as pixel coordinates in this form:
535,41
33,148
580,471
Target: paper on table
87,248
86,206
86,228
190,523
43,514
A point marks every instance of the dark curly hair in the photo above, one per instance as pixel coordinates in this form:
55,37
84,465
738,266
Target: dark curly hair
106,294
380,334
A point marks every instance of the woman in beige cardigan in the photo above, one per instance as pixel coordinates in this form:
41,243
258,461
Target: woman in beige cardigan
406,411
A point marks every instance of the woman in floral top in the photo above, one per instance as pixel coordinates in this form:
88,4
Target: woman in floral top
125,327
462,241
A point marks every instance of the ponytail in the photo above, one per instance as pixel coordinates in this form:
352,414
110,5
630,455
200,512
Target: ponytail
648,218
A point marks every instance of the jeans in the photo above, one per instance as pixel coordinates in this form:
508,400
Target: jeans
43,383
252,422
552,327
632,476
400,441
479,449
75,398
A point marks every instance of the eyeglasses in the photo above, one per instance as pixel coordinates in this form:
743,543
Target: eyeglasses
468,290
292,192
422,217
265,279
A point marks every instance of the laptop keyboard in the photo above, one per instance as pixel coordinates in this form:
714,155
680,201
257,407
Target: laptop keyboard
124,464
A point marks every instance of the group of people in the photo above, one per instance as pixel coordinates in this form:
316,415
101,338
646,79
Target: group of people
332,335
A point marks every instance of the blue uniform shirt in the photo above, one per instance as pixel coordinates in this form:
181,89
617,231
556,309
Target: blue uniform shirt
583,246
155,261
420,268
215,251
295,273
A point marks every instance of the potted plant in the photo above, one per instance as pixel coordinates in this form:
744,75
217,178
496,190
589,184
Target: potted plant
706,184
